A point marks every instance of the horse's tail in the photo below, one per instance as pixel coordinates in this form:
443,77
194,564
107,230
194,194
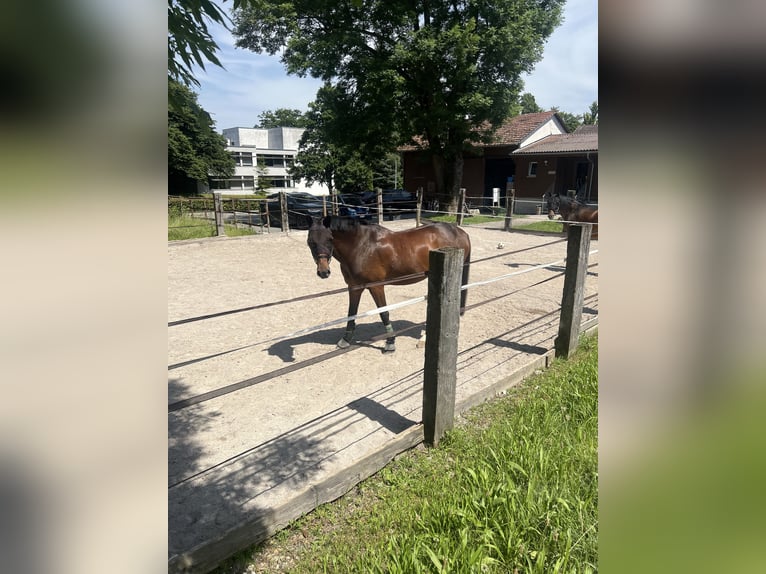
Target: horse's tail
466,271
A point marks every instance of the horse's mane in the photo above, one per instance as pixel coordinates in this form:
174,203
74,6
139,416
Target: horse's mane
343,223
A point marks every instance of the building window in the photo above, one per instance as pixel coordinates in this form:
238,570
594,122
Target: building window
281,181
273,160
532,169
234,182
242,158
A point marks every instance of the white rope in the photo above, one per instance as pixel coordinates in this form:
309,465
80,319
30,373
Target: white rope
488,281
567,221
347,319
406,303
515,273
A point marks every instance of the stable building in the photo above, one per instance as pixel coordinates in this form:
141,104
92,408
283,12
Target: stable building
529,153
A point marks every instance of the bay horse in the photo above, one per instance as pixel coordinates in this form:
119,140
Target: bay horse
571,210
371,255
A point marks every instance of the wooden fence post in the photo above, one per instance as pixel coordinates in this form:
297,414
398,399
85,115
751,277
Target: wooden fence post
419,207
218,211
285,219
442,326
510,197
461,206
578,245
379,196
268,216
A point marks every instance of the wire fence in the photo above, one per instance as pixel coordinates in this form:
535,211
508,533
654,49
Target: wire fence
260,215
233,387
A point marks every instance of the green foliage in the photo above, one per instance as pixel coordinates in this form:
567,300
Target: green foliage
263,181
387,171
528,104
189,40
591,116
323,157
182,227
195,150
281,117
571,121
438,71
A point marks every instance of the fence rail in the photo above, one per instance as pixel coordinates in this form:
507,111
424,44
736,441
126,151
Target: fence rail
442,326
254,212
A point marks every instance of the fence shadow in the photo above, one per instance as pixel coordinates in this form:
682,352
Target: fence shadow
207,498
531,349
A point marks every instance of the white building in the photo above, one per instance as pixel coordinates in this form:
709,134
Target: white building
275,148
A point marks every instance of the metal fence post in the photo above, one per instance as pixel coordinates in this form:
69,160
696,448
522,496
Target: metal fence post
578,245
442,327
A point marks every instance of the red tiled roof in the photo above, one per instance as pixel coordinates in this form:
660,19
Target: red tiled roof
515,129
511,132
578,141
586,128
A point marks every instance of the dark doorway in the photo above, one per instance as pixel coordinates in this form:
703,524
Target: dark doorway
496,174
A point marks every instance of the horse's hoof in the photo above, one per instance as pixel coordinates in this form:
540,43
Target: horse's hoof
343,344
389,348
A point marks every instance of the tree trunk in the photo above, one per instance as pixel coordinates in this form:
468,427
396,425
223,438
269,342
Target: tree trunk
448,172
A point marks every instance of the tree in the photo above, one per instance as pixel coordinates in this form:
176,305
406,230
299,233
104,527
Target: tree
439,71
591,116
571,121
322,157
195,150
281,117
189,40
387,171
262,180
528,104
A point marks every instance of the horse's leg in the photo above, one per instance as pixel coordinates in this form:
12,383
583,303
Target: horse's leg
379,296
353,306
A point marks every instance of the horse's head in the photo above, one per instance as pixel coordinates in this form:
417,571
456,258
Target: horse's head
320,244
553,200
568,207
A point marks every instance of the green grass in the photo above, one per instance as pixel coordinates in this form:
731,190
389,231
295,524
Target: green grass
469,220
512,488
185,227
547,226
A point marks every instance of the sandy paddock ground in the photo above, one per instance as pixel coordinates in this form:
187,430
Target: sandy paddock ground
367,392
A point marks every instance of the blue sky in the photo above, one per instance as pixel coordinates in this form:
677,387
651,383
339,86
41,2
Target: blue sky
566,77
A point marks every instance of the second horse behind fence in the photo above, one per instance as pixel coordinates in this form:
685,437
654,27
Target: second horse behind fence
371,256
571,210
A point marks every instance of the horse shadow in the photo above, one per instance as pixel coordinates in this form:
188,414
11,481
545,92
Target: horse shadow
370,335
375,411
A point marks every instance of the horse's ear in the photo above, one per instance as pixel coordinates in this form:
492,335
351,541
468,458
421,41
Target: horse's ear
309,220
